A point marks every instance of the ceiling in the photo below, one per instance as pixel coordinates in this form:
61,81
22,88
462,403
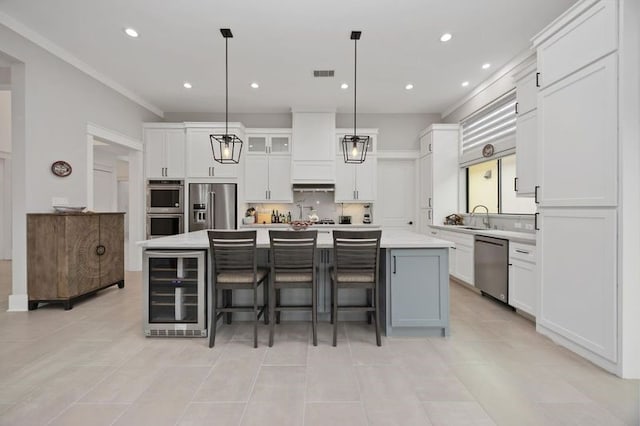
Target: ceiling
278,43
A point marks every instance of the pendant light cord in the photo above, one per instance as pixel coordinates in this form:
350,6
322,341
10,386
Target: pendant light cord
226,90
355,83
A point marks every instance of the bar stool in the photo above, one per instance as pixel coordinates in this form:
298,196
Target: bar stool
235,264
293,259
356,264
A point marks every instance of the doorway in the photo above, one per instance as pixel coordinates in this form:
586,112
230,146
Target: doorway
396,205
115,183
5,170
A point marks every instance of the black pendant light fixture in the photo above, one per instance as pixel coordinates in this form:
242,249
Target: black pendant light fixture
354,147
226,147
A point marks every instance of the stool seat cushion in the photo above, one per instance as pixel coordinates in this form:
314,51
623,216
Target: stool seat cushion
241,277
294,277
354,277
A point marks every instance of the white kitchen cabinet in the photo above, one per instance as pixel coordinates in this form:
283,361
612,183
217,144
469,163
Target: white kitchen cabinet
578,138
439,170
526,153
268,179
585,33
268,166
522,277
164,152
578,277
461,256
426,177
356,183
526,82
200,162
313,150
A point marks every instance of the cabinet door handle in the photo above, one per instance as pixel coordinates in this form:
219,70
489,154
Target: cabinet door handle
429,147
522,251
213,170
394,264
515,184
453,248
535,222
100,250
429,217
357,195
517,107
429,202
535,194
537,79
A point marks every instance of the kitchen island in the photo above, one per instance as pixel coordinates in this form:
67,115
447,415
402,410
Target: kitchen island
414,279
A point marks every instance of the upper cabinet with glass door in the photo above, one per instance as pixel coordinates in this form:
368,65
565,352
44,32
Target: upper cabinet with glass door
269,141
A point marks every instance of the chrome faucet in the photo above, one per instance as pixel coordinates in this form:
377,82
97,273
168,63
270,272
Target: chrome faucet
485,221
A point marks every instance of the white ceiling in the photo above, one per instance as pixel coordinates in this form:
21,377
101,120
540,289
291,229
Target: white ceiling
279,42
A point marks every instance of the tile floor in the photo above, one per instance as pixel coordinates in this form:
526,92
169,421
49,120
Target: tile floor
92,366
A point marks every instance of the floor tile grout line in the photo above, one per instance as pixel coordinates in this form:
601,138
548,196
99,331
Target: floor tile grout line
253,385
353,366
184,411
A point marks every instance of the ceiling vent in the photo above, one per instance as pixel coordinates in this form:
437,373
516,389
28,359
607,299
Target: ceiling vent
323,73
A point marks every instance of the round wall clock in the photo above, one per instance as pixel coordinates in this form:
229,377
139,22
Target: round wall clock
61,168
487,150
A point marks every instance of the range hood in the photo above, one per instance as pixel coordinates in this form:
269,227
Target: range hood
313,187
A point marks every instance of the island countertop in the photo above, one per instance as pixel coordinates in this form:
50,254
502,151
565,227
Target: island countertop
391,238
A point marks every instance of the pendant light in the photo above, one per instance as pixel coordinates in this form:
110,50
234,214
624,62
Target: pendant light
354,147
226,147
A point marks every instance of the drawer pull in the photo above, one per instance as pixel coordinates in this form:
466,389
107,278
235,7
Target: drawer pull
522,251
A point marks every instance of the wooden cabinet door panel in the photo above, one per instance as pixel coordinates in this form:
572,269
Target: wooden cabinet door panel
43,242
112,238
82,235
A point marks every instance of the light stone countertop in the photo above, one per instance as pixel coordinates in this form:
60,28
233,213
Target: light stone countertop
517,237
391,238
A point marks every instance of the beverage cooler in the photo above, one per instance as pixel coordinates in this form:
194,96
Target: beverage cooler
175,293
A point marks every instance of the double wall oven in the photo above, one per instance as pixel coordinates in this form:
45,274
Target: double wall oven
165,208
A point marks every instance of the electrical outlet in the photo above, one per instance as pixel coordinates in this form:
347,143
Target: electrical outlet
517,225
59,201
528,226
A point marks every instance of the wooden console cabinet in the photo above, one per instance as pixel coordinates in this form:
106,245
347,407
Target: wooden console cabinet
73,255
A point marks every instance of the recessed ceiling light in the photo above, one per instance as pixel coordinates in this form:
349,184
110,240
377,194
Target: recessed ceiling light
465,83
255,85
408,86
486,66
187,85
344,86
131,32
445,37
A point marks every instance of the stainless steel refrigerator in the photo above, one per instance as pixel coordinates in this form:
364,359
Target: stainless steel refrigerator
212,206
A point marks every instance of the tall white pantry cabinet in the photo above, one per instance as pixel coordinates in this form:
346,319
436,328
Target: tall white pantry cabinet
576,192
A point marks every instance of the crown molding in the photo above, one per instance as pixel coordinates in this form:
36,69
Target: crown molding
43,42
512,65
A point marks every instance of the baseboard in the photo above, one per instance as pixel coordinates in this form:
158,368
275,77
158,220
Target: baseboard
18,303
607,365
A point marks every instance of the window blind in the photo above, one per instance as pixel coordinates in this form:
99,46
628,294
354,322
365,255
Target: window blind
494,124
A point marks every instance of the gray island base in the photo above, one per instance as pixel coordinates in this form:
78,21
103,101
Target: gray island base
414,280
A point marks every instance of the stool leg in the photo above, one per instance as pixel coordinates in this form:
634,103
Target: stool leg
229,304
377,313
314,312
370,303
213,323
255,316
272,309
334,309
277,314
265,302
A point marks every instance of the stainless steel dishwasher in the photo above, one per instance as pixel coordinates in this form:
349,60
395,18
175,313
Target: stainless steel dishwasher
491,266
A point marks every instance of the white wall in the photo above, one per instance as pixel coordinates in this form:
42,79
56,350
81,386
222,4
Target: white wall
55,103
5,121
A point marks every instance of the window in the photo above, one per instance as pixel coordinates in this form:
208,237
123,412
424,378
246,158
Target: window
490,183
